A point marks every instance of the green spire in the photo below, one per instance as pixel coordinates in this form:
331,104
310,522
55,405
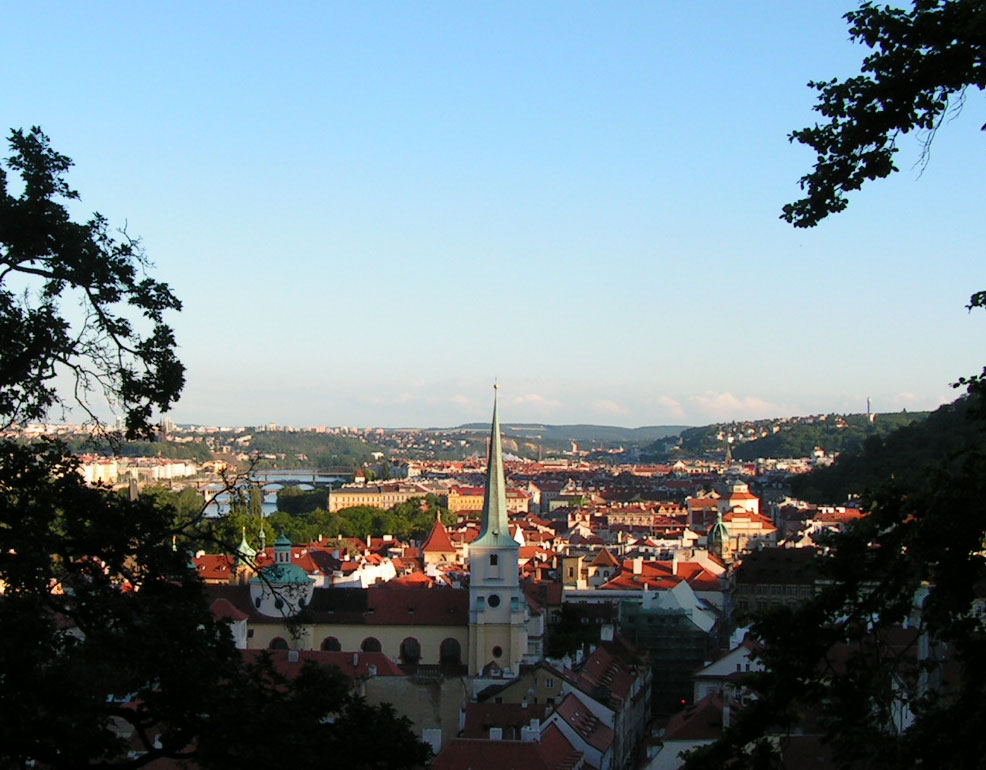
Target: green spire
495,525
243,551
718,537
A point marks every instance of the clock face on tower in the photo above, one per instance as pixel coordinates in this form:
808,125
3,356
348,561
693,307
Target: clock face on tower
493,600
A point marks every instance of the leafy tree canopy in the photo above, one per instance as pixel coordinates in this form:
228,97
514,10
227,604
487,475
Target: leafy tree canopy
110,656
886,661
119,345
902,455
922,63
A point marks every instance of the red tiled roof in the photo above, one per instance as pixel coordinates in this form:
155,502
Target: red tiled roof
223,609
696,503
585,723
605,559
420,606
438,541
602,669
741,496
557,751
480,717
414,580
214,566
758,518
552,752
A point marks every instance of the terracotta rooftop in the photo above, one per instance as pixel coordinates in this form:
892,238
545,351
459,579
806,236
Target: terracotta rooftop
438,541
480,717
553,752
584,722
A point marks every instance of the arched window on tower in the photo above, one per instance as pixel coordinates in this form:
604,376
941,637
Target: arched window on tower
371,644
331,644
277,643
410,651
450,653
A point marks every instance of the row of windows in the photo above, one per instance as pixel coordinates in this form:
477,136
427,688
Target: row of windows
450,651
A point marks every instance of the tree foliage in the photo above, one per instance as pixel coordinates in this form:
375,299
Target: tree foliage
922,63
110,656
295,500
886,661
896,629
837,433
305,450
47,261
902,455
413,519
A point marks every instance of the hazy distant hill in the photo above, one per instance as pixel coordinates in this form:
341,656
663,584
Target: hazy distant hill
841,434
901,455
605,434
790,436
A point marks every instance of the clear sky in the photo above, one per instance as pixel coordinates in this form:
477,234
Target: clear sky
370,210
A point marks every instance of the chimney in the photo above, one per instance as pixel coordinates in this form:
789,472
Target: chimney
371,670
638,565
530,734
606,632
496,733
292,656
355,659
674,563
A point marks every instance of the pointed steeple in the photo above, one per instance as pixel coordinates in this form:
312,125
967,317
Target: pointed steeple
495,527
438,541
244,553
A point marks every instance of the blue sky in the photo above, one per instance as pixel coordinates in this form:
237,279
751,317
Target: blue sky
370,210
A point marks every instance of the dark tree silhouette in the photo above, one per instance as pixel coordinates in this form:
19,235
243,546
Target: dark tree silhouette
110,656
887,662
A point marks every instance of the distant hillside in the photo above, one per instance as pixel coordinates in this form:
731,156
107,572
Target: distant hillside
605,434
790,436
835,434
901,455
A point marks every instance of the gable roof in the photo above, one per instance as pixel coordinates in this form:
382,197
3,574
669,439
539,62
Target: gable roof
605,559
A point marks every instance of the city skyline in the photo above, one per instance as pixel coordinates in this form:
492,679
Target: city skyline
370,212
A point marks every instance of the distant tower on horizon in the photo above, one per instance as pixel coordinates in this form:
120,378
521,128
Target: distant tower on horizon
869,415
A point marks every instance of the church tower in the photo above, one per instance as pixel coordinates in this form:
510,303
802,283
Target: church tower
497,607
